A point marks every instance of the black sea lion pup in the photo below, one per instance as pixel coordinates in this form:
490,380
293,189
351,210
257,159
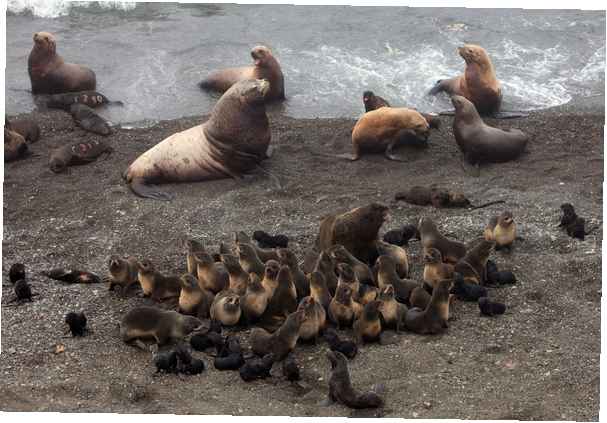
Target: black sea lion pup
265,240
281,342
72,276
255,300
49,74
122,273
87,119
501,278
367,327
302,285
430,237
23,291
16,272
229,357
226,308
27,128
502,230
373,102
156,285
257,368
186,363
264,254
88,98
76,322
166,362
340,386
466,291
490,308
290,369
433,319
400,236
194,300
79,153
346,347
572,223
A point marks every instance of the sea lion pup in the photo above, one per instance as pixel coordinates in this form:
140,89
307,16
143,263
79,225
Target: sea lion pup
249,260
341,311
79,153
319,290
212,276
478,84
357,230
16,272
432,319
502,230
284,298
466,291
393,312
163,326
23,291
373,102
266,67
397,254
400,236
155,284
238,278
122,273
165,361
340,386
193,299
386,275
315,320
473,266
302,285
15,146
360,270
281,342
27,128
490,308
265,240
367,327
419,297
72,276
481,143
191,247
255,300
367,293
346,347
77,323
264,254
88,98
257,368
385,129
572,223
49,74
226,308
326,266
290,369
430,237
269,281
434,268
230,144
87,119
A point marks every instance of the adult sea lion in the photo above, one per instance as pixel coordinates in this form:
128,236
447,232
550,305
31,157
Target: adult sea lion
48,72
232,142
79,153
266,67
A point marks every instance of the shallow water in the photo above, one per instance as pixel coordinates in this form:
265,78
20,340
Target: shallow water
152,55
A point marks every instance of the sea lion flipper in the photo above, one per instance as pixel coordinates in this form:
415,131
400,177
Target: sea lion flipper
148,191
348,156
447,113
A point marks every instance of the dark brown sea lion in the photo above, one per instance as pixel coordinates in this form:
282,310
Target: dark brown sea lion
349,278
302,285
340,386
231,143
367,327
315,320
281,342
393,312
155,284
386,275
193,299
319,290
122,272
264,254
87,119
481,143
502,230
284,297
341,312
361,270
430,237
373,102
572,223
27,128
79,153
266,67
326,266
473,266
434,268
15,146
432,319
249,260
397,254
88,98
49,74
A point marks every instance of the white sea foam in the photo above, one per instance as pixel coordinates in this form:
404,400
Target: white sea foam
594,69
56,8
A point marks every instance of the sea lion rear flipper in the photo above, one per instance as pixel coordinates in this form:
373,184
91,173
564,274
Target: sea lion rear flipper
508,115
140,189
116,103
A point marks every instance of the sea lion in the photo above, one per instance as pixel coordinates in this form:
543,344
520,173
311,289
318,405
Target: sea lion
284,298
434,268
385,129
23,291
393,312
27,128
373,102
212,276
191,247
264,254
326,266
231,143
367,327
269,281
346,347
281,342
165,362
79,153
155,284
572,223
15,146
349,278
478,84
400,236
386,275
249,260
72,275
187,364
230,356
76,322
397,254
501,278
419,298
319,290
357,230
193,299
424,196
361,270
341,312
163,326
49,74
490,308
88,98
266,67
502,230
16,272
481,143
265,240
430,237
290,369
340,386
315,319
238,278
466,291
302,285
257,368
87,119
226,308
473,266
366,293
432,319
122,272
255,300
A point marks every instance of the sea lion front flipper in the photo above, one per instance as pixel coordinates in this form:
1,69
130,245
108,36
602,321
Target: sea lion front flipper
389,153
471,169
508,115
143,190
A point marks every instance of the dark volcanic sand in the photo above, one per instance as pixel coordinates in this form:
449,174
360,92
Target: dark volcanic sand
538,361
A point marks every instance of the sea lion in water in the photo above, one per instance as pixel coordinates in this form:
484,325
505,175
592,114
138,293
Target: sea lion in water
27,128
430,237
481,143
87,119
15,146
266,67
79,153
502,230
88,98
478,83
49,74
231,143
340,386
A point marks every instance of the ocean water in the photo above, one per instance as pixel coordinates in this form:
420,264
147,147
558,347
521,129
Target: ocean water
152,55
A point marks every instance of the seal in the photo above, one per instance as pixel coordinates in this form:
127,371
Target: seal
290,369
163,326
257,368
346,347
15,146
265,240
373,102
212,276
490,308
302,285
226,308
341,389
50,74
473,266
122,273
155,284
281,342
23,291
424,196
265,67
88,98
434,268
386,275
27,128
367,327
430,237
315,319
87,119
194,300
432,319
478,84
319,290
400,236
231,143
502,230
419,298
397,254
366,293
76,154
72,275
481,143
392,312
255,300
238,278
466,291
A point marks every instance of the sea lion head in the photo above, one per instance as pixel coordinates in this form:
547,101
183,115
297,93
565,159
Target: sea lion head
371,309
346,273
343,295
14,145
231,303
203,257
432,256
188,282
464,109
506,218
45,41
368,96
306,304
439,198
458,199
297,317
484,247
192,246
569,214
145,266
317,280
284,275
115,263
262,56
385,262
253,91
336,358
271,270
286,256
254,284
473,53
230,262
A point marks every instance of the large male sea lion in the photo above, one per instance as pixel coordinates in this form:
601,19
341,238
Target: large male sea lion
49,74
266,67
232,142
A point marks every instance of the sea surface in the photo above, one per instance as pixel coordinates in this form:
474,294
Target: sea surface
152,55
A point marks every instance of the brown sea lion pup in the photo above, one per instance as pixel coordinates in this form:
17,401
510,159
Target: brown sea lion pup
367,293
284,298
434,268
238,278
419,298
326,266
264,254
193,299
49,74
87,119
212,276
361,270
424,196
432,319
367,327
348,277
231,143
27,128
340,386
386,275
357,230
76,154
315,321
288,258
122,273
397,254
373,102
341,311
481,143
385,129
191,247
393,312
430,237
502,230
473,266
281,342
163,326
478,83
270,281
249,260
15,146
155,284
226,308
265,67
319,290
88,98
255,300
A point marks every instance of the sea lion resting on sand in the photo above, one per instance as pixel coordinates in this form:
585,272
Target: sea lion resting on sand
79,153
49,74
27,128
232,142
87,119
14,145
266,67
